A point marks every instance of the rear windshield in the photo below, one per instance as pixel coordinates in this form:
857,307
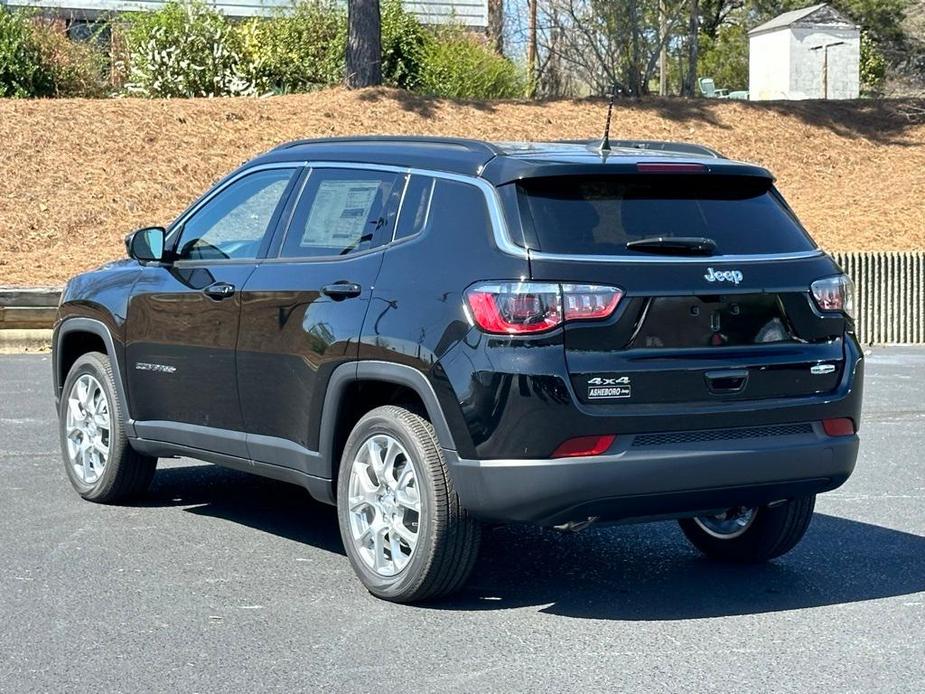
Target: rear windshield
599,215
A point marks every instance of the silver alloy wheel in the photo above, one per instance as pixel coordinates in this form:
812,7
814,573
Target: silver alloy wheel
384,506
729,524
88,427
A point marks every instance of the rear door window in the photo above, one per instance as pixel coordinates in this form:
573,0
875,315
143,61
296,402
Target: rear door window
600,215
343,211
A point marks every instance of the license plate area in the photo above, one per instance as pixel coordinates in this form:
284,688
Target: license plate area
735,320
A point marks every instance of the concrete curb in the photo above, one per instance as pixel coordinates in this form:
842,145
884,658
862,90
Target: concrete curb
20,341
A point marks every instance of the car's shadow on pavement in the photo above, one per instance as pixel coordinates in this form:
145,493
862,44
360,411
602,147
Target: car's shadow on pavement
632,572
257,502
648,572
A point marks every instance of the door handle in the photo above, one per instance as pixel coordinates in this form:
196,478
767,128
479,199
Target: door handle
341,290
219,290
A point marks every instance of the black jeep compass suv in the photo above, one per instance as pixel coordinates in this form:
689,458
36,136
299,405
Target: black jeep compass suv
432,333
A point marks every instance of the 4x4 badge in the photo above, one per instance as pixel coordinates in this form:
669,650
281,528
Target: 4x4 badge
601,388
734,276
598,381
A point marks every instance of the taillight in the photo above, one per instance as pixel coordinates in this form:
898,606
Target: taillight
589,301
584,445
834,294
840,426
515,307
518,308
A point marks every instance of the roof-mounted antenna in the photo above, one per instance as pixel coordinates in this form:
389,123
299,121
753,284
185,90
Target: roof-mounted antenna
605,142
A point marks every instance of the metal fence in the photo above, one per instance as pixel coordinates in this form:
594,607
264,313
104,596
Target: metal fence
890,295
890,298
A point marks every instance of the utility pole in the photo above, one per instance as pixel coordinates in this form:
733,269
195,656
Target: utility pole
663,52
531,51
824,47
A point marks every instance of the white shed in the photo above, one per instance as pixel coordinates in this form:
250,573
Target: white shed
813,53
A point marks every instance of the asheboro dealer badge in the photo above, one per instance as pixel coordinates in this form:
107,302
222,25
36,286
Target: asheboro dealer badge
601,388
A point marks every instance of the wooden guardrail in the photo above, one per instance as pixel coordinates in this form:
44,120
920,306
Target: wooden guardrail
28,308
890,298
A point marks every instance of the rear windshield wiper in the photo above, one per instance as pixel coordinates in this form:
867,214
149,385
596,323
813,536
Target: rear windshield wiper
674,245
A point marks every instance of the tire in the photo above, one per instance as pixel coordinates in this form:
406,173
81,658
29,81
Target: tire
446,537
118,474
772,532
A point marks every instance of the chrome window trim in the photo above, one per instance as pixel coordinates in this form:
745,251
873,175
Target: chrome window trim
197,262
276,259
401,206
702,259
500,230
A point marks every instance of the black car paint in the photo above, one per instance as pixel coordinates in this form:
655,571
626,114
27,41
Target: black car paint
172,321
273,359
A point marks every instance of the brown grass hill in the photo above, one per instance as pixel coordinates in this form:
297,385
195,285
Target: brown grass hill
77,175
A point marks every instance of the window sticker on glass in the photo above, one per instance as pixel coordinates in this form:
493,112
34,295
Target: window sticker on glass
339,213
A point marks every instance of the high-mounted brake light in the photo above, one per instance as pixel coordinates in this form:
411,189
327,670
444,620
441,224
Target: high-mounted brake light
669,167
584,445
834,294
522,308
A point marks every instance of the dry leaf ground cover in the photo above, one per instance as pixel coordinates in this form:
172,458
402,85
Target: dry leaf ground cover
76,175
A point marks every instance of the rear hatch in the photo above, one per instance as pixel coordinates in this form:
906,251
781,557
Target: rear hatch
716,273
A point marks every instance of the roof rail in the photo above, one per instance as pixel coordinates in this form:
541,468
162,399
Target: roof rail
474,146
660,145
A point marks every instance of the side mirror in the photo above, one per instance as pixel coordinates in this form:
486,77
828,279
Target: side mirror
146,244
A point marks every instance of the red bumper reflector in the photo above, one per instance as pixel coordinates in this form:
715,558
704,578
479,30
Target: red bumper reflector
843,426
584,445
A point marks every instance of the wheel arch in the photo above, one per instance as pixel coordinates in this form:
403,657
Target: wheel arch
338,415
73,338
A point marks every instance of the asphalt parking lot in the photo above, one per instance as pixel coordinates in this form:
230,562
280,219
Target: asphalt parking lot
221,581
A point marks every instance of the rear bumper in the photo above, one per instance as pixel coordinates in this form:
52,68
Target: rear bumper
644,482
503,400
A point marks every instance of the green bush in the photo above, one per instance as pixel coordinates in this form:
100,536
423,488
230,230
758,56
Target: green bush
304,48
873,64
725,58
458,65
297,51
404,39
185,50
78,68
23,70
37,59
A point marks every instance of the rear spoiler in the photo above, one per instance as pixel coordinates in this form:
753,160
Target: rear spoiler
658,145
503,170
